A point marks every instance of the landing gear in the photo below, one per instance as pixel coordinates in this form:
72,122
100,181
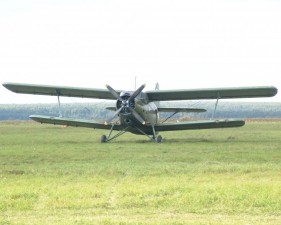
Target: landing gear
108,138
158,139
155,137
103,139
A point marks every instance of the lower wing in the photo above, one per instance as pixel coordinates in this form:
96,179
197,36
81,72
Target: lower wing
191,125
73,122
204,124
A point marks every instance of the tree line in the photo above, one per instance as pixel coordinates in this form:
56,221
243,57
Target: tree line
98,111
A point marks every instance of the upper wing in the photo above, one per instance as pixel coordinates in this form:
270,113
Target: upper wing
204,124
73,122
59,91
216,93
156,95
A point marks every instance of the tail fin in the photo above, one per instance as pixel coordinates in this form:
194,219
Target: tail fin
157,88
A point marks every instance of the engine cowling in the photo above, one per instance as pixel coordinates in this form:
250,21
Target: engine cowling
126,104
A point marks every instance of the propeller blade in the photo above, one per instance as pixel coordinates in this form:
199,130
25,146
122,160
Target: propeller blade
113,92
114,115
136,93
137,116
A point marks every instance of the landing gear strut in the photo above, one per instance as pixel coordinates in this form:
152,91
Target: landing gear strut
156,138
104,139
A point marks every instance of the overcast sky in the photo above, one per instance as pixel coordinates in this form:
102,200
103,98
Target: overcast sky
180,44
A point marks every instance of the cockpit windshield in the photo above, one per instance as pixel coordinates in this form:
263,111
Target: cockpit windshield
125,94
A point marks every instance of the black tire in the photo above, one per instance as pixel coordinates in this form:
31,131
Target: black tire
103,139
159,139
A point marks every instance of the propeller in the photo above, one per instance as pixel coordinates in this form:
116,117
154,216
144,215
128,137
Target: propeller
137,92
137,116
114,115
125,103
114,93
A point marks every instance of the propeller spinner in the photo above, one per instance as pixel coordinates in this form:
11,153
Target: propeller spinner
126,103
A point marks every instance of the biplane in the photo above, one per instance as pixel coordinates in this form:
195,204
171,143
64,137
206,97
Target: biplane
138,111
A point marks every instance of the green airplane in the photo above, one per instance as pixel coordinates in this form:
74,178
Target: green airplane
138,111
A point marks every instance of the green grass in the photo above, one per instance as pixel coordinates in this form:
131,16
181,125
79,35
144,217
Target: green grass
57,175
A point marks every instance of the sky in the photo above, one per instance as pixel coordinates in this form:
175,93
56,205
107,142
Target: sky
179,43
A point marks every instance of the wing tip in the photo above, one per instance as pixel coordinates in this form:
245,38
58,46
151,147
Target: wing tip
6,85
275,90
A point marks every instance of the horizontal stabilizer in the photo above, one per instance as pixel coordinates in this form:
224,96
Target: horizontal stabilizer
111,108
169,109
176,109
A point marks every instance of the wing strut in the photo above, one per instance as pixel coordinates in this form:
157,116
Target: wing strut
169,117
58,94
217,102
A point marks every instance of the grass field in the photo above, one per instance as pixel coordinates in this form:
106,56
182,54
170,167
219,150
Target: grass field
58,175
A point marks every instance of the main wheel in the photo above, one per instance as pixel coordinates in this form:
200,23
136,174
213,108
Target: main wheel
103,139
159,139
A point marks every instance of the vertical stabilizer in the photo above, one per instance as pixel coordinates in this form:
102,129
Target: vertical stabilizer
157,88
